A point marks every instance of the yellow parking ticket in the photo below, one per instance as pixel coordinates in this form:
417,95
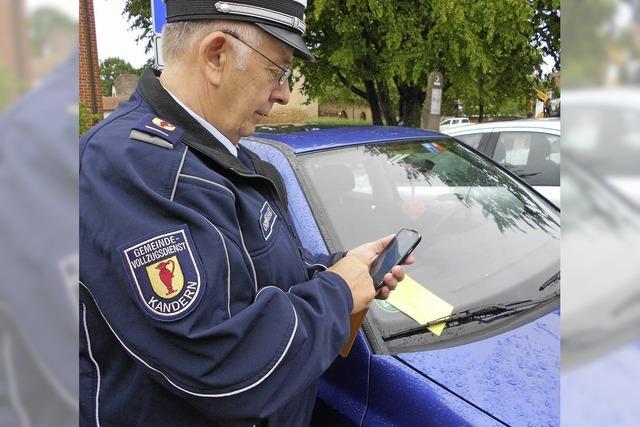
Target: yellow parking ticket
423,306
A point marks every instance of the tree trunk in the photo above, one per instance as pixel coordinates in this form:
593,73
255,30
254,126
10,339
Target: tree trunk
369,94
411,100
374,103
386,104
481,112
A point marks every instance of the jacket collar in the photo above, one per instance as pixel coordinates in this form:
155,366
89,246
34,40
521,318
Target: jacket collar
197,137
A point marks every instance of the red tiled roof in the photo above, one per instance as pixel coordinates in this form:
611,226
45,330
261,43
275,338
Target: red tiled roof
110,103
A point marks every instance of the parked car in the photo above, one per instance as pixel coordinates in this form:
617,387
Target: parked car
529,148
490,248
453,122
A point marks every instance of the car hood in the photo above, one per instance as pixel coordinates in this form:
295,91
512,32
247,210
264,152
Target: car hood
514,376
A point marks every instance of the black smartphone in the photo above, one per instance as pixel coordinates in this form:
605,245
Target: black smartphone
395,253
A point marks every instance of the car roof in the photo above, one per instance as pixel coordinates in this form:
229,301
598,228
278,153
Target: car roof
552,124
307,139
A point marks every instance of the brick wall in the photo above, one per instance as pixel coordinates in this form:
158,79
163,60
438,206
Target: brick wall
354,112
89,72
296,111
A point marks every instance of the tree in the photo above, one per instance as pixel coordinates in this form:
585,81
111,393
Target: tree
385,49
491,56
138,14
382,51
111,68
546,22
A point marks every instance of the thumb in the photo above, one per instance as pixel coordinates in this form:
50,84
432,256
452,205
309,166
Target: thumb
377,246
384,242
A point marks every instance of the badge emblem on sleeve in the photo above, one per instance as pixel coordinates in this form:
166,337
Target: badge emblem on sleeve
164,274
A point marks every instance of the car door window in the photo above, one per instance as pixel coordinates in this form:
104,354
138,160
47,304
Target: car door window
534,156
472,140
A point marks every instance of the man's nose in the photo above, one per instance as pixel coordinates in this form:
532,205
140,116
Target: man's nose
281,93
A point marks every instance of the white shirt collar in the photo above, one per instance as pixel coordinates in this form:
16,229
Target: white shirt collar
208,126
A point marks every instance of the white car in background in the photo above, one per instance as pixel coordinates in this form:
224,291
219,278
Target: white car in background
453,122
528,148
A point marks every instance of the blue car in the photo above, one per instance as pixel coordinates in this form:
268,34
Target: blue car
490,247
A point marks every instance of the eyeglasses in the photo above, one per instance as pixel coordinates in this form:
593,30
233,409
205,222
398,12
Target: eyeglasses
286,72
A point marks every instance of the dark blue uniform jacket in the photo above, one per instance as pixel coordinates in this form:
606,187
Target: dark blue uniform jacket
198,305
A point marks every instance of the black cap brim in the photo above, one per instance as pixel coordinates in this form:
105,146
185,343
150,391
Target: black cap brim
289,38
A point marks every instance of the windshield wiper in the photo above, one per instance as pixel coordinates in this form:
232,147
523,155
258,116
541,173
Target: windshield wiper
555,280
485,314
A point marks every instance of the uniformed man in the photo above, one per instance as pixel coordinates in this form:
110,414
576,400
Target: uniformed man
198,304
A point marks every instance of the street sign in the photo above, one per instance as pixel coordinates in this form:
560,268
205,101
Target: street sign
158,19
432,107
436,100
158,15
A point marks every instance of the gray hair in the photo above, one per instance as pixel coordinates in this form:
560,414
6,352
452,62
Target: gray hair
181,37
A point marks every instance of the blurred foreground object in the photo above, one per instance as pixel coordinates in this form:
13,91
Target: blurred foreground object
601,214
39,261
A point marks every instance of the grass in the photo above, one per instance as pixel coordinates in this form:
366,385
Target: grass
335,121
317,122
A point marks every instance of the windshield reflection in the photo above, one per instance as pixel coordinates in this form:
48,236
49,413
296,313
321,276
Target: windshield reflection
510,206
487,238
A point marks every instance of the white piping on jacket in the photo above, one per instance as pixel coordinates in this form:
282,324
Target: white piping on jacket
95,363
231,393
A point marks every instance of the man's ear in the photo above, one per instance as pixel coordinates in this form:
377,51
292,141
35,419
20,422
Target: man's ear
213,56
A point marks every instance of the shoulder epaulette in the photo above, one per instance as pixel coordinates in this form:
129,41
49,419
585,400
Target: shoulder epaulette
156,131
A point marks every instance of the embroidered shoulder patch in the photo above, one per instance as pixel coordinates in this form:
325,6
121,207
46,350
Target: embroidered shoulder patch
164,274
267,220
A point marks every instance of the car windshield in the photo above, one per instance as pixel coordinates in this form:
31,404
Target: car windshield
486,238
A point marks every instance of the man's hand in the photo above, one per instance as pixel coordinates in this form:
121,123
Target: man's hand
354,269
355,272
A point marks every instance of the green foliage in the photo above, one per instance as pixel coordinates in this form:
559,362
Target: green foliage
138,14
548,83
488,51
546,23
382,51
86,119
111,68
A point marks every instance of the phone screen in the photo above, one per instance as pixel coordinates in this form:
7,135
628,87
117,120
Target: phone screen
402,244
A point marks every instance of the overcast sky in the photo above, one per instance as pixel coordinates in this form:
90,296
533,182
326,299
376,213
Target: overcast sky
113,36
